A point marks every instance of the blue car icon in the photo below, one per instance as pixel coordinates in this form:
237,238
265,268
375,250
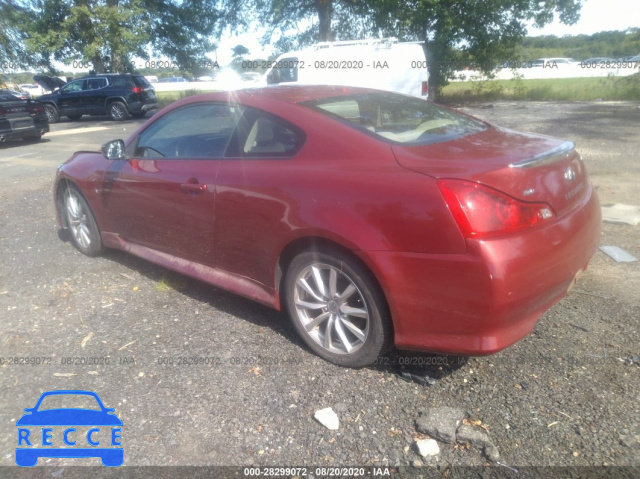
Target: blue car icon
36,431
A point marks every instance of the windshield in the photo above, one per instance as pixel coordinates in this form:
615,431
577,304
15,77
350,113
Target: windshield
398,118
63,401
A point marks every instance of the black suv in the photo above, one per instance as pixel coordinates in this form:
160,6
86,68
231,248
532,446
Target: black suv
118,95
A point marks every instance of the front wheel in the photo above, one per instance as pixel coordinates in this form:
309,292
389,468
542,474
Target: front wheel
337,308
82,225
118,111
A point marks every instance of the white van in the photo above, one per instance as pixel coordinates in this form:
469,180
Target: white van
384,64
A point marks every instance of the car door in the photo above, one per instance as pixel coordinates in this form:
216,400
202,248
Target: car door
254,209
71,98
165,188
95,96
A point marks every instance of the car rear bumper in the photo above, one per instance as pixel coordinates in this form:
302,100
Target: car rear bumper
109,456
11,134
149,106
487,299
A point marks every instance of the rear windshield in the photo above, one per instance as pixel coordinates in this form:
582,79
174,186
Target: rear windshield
398,118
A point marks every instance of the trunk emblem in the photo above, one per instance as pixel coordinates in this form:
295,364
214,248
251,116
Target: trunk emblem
569,174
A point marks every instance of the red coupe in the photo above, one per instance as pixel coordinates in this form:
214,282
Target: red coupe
373,218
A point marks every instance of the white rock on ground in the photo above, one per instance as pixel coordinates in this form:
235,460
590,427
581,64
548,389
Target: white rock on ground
428,447
327,418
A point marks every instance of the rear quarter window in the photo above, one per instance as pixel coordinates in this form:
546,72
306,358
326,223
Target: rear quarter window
121,82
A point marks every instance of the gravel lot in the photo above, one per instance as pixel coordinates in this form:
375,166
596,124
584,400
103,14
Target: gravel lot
567,395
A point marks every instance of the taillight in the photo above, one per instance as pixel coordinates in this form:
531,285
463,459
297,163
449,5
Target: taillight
35,109
137,89
425,87
483,212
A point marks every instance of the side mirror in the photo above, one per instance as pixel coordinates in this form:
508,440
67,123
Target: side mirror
114,150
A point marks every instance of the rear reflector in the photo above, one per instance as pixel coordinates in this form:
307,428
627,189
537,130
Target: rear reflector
483,212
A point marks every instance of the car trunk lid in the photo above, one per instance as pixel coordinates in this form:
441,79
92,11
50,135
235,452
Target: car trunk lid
10,108
528,167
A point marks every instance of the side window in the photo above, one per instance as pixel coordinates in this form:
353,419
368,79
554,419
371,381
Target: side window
261,135
286,70
96,83
78,85
200,130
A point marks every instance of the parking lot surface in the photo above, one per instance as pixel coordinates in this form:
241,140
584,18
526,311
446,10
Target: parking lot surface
199,376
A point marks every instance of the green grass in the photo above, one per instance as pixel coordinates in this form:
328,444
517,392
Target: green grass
561,89
167,97
166,284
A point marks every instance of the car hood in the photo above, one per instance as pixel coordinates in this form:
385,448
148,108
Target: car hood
69,417
49,83
526,166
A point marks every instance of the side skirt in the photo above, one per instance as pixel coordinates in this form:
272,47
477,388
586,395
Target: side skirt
223,279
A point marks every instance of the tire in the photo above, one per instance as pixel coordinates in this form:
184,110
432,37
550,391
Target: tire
52,113
81,222
118,111
74,117
337,308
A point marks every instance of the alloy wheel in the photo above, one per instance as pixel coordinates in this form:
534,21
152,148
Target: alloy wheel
331,309
78,220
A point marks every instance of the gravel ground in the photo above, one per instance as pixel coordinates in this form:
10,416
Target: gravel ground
567,395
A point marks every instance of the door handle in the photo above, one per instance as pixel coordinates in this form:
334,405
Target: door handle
193,187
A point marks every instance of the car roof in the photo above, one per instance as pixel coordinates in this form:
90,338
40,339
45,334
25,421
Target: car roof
297,93
77,392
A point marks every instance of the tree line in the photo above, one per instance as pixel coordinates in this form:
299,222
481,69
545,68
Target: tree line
108,34
613,44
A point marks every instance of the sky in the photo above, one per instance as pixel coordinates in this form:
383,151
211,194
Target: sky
597,16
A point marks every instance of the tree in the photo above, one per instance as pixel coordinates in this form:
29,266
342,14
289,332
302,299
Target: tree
298,24
106,34
12,53
464,33
614,44
239,55
240,51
